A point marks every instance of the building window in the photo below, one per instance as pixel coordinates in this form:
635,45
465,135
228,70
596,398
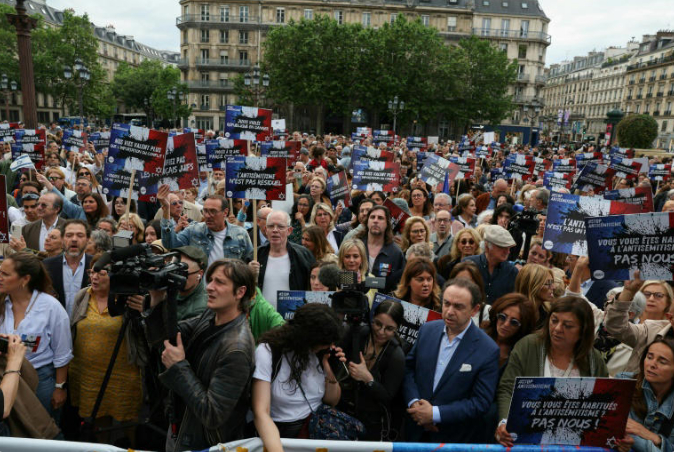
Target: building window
204,122
524,29
243,55
503,47
280,15
205,12
451,23
224,36
505,27
522,51
243,14
485,2
204,35
186,10
204,77
243,37
486,26
394,16
425,20
367,19
525,5
309,14
224,14
205,101
339,17
224,58
505,4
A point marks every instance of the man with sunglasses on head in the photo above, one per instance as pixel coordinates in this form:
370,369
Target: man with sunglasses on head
49,207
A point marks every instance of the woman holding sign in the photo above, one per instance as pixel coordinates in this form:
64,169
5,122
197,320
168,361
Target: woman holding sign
562,348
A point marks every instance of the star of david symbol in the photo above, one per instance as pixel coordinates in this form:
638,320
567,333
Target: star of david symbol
282,196
195,183
158,170
3,237
153,199
611,442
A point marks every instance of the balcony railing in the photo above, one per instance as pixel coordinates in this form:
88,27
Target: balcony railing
656,113
512,34
540,79
209,84
222,63
668,112
629,97
660,94
642,80
649,95
663,76
215,19
652,78
523,78
639,96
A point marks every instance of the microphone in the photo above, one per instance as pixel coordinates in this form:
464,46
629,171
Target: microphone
329,276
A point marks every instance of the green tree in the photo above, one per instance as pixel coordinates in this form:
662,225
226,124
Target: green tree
146,87
482,74
637,131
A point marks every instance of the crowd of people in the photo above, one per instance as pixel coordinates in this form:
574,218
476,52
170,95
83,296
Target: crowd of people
236,368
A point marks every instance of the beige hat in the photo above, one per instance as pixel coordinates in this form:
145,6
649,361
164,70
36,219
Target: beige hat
159,246
499,236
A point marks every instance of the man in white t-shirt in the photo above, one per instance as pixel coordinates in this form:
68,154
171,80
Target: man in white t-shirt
290,263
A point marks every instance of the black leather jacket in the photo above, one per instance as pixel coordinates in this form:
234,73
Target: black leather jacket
301,261
215,384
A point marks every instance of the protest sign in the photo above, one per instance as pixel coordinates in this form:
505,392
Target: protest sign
278,125
180,166
594,176
626,153
626,168
134,148
202,157
287,302
371,175
256,178
198,133
339,190
583,159
488,137
641,196
583,411
564,165
417,144
4,221
519,166
34,151
415,317
434,170
660,172
101,140
466,166
383,136
542,166
218,150
553,180
74,140
495,173
363,153
621,244
565,223
433,139
30,137
420,160
398,216
279,148
483,152
7,131
248,123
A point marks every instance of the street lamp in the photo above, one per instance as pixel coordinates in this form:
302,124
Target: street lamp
395,106
7,87
83,76
252,81
531,111
174,95
613,117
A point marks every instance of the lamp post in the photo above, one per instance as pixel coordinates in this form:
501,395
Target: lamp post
613,117
83,76
7,87
252,81
531,111
24,24
174,95
396,106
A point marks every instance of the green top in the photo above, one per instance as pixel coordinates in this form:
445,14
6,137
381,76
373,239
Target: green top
263,316
528,359
193,304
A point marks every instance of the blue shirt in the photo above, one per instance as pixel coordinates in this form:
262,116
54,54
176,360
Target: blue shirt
72,282
501,282
445,354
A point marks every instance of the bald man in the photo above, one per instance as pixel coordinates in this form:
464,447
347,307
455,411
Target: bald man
488,200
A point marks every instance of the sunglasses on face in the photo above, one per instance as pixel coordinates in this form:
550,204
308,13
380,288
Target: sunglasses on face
502,317
467,241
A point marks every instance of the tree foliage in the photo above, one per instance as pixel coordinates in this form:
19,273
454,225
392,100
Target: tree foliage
637,131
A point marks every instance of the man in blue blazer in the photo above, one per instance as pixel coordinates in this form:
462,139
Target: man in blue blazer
451,372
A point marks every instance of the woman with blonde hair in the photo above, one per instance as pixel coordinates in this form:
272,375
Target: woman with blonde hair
352,257
314,240
465,243
132,222
324,217
317,188
56,176
536,282
416,230
419,284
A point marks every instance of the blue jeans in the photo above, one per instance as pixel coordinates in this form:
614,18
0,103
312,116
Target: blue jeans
45,389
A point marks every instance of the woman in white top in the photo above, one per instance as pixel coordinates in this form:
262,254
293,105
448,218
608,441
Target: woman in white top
29,311
323,216
292,375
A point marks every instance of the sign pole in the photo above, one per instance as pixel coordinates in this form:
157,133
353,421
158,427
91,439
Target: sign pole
254,230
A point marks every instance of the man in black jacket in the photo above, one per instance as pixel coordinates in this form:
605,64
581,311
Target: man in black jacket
289,264
210,367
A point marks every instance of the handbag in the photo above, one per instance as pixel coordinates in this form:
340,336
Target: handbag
328,423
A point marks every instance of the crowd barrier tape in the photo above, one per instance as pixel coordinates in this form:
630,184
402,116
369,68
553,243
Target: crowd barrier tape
27,444
255,444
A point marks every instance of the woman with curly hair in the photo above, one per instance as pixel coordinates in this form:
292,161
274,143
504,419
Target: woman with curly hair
419,284
416,230
292,375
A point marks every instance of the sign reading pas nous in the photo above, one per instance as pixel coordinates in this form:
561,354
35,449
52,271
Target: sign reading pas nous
256,178
248,123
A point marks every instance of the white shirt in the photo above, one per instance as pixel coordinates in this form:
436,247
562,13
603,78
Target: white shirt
287,402
217,252
276,278
17,216
332,241
72,282
45,318
44,231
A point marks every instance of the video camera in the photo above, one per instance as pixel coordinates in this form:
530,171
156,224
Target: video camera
351,299
526,223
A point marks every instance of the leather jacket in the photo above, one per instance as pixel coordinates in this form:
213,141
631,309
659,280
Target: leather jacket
215,384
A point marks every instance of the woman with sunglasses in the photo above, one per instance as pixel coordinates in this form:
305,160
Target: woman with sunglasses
536,283
58,179
84,172
376,364
465,243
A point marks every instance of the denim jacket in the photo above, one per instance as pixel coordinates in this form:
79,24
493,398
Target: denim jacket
236,244
654,420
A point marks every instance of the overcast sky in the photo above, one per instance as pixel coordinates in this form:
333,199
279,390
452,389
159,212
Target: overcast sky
576,26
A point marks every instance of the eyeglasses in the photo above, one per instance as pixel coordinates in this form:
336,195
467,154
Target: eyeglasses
212,212
467,241
442,220
648,294
30,196
418,195
84,173
54,178
502,317
272,227
176,203
379,326
422,231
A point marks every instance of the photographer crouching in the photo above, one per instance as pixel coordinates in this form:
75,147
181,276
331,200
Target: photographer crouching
210,365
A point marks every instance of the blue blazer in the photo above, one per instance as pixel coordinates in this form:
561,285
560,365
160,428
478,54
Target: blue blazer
462,397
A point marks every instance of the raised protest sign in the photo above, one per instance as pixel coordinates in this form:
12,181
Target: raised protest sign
564,165
248,123
417,144
134,148
287,302
519,166
4,221
626,153
542,166
594,176
495,173
74,140
370,175
565,223
363,153
202,157
434,170
619,245
626,168
278,125
553,180
32,150
198,133
7,131
339,190
466,166
180,166
256,178
415,317
30,137
569,411
420,160
398,216
101,140
383,136
660,172
641,196
279,148
483,152
218,150
583,159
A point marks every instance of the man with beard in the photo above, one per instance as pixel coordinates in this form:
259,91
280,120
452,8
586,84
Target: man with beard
358,226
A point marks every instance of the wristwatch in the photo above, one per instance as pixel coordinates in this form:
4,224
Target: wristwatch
370,384
61,386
